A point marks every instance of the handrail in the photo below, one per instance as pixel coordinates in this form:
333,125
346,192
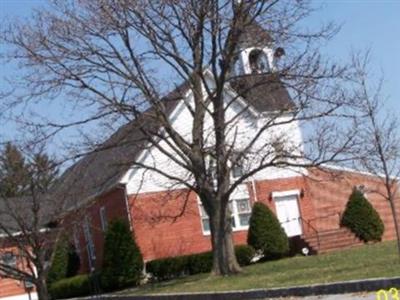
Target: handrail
327,216
308,223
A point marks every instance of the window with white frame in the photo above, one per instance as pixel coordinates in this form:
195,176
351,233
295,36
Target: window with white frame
243,211
9,259
205,220
240,209
103,218
89,241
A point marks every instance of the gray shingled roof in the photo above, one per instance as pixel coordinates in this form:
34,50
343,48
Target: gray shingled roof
254,35
102,169
17,214
265,92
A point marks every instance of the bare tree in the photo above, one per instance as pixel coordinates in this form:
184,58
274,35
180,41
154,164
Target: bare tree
114,61
381,137
28,226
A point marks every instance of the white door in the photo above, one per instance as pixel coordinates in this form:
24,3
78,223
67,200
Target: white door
288,213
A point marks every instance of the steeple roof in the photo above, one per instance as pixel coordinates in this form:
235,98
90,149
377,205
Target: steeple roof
254,35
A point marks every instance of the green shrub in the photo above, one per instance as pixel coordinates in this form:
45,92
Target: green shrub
173,267
362,219
168,268
76,286
200,263
266,233
122,260
65,262
59,264
244,254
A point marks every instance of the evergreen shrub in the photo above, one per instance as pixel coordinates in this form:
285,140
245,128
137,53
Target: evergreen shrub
178,266
122,260
76,286
362,218
266,233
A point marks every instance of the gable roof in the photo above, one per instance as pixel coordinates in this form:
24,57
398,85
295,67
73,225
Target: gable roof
102,169
17,214
265,92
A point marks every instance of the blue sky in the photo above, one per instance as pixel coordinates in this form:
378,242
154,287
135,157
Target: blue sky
365,24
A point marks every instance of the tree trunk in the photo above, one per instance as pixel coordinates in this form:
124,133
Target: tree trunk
396,223
223,248
41,289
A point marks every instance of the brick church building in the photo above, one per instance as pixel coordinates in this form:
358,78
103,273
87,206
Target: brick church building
171,221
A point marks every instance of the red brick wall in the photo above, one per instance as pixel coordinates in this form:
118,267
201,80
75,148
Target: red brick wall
10,287
169,224
115,206
330,193
162,231
306,206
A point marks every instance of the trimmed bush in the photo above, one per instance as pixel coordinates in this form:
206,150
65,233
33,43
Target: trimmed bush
173,267
266,233
65,262
59,264
200,263
168,268
362,218
76,286
122,260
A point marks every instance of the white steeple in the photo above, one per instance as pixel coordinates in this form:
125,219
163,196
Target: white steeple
255,51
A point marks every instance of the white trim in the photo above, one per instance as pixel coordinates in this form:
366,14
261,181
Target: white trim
103,218
21,297
125,178
235,214
90,246
254,188
287,224
128,208
18,233
285,193
244,55
199,205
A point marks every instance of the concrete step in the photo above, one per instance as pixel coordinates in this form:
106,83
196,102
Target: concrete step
331,240
327,243
329,235
332,249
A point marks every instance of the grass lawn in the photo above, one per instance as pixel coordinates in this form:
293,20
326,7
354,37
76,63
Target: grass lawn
369,261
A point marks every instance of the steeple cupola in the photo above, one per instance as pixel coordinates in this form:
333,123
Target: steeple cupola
255,51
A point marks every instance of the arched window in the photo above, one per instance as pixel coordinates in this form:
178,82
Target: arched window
258,62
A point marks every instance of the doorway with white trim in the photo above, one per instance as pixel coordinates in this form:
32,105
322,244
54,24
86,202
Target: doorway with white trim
288,212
